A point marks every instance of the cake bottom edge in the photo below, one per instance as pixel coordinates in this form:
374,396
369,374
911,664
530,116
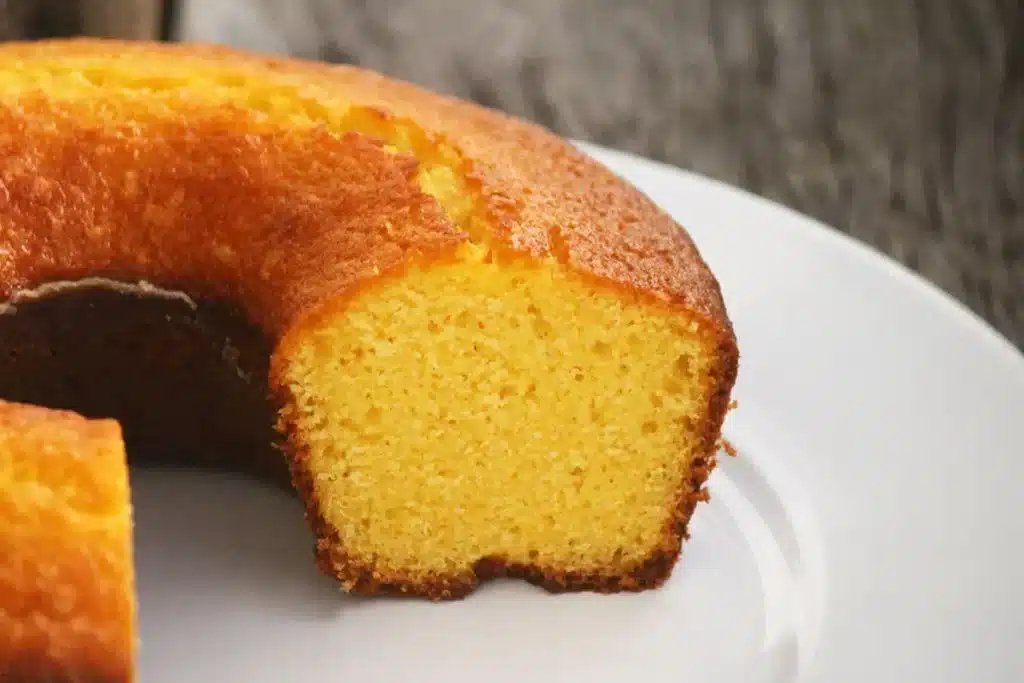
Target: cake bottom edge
361,579
365,581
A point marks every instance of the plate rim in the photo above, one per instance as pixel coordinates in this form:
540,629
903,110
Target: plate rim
966,338
791,224
813,228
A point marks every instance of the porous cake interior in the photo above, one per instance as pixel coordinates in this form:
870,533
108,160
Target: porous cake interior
66,520
511,412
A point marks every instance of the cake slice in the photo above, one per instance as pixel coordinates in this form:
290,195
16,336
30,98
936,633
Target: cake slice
497,418
67,604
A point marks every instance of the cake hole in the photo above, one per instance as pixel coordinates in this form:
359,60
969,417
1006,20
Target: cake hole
656,401
541,327
506,391
534,555
577,476
602,348
617,556
649,427
433,327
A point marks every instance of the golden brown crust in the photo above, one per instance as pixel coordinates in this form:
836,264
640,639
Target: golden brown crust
288,222
541,194
213,203
66,579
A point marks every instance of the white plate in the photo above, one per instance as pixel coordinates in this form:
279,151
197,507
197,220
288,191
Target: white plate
870,529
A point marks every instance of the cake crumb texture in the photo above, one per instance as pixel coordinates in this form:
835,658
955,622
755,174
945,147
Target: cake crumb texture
66,578
484,419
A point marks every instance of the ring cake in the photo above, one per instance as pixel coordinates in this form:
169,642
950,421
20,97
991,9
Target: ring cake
472,350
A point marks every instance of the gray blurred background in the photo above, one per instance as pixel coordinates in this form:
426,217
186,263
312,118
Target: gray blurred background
900,122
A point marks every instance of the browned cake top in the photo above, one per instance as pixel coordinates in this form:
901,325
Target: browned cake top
224,203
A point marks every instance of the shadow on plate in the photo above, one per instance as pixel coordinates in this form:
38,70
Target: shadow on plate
213,537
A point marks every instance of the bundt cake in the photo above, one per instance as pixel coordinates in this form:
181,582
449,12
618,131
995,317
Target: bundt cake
67,609
484,353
